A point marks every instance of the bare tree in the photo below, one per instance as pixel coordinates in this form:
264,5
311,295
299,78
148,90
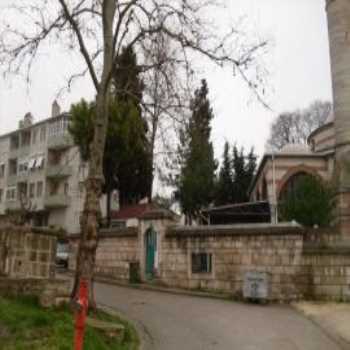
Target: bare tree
295,127
97,30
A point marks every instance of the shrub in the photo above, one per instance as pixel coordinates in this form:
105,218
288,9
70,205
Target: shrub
311,203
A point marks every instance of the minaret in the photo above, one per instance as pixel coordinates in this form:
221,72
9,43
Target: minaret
338,12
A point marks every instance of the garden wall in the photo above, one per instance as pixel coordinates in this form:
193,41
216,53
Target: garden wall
117,249
26,252
301,264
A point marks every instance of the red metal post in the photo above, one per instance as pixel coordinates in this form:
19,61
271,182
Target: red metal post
80,315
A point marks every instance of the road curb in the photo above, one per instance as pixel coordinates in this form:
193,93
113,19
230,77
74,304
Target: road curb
154,288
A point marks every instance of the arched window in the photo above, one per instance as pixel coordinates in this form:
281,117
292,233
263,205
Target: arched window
291,184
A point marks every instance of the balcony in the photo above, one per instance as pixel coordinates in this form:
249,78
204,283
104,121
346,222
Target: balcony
56,201
58,171
12,205
12,180
57,142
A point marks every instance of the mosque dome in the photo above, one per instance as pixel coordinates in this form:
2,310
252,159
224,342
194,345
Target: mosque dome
330,118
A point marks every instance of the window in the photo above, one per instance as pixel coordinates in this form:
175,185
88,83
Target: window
11,194
1,194
2,170
34,136
42,134
22,190
201,263
39,189
13,167
66,188
23,167
14,142
25,139
32,190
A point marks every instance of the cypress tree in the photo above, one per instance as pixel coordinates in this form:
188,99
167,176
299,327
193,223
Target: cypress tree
196,181
224,189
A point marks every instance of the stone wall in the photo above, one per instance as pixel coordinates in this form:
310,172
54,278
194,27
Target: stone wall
51,292
301,264
235,251
117,249
26,252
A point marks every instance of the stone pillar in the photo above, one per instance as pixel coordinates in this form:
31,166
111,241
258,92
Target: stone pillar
338,12
160,220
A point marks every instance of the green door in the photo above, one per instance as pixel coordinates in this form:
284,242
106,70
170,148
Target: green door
151,247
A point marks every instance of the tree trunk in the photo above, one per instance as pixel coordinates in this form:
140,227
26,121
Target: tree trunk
92,212
89,221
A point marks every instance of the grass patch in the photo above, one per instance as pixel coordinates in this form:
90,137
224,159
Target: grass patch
24,325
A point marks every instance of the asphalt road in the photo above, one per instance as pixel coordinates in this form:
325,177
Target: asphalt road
170,322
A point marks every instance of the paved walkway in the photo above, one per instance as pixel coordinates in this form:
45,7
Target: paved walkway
332,317
170,322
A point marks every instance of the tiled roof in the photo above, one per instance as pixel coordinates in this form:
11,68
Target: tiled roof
131,211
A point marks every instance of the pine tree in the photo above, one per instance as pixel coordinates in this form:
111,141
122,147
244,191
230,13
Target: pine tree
196,181
224,189
238,169
250,168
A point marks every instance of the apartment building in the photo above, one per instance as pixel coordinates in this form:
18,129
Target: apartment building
41,169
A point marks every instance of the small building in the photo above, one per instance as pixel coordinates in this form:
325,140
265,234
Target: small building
278,172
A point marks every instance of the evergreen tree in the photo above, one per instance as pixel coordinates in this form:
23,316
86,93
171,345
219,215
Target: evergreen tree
133,163
312,202
126,162
239,173
243,169
224,190
196,181
250,168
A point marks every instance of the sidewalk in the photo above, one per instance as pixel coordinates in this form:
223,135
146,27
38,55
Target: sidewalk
333,318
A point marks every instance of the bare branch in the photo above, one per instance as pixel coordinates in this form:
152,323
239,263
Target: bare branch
83,49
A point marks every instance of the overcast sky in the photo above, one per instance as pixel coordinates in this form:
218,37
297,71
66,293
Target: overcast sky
298,62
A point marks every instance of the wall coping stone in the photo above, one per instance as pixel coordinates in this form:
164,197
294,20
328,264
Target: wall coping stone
158,214
235,230
113,232
320,250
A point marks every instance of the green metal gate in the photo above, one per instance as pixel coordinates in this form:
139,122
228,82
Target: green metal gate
151,248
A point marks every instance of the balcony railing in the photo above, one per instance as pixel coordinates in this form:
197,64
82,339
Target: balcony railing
58,171
12,205
12,180
60,141
57,201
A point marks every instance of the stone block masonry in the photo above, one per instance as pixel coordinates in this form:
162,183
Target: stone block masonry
234,252
117,249
26,253
27,264
302,264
